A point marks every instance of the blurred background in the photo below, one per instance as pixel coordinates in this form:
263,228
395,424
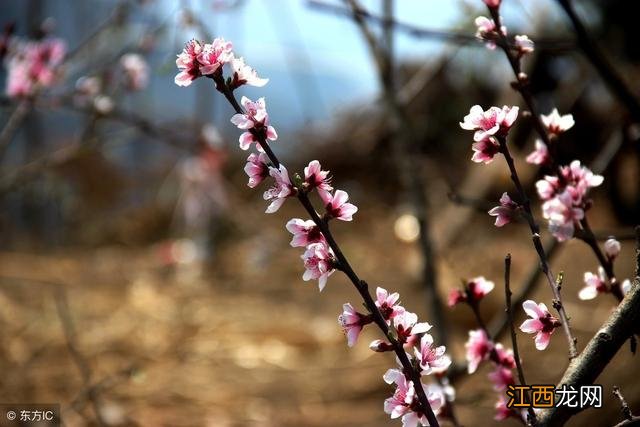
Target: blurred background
140,281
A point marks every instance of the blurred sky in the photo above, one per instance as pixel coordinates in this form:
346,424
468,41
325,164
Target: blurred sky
318,62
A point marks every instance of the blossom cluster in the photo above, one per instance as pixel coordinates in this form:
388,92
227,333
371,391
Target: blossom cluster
480,347
488,126
564,195
198,59
33,65
420,347
565,199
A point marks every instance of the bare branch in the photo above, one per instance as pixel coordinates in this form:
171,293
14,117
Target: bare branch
514,340
594,54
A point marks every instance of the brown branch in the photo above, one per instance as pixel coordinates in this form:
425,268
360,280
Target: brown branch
626,411
13,124
361,286
62,307
586,368
514,339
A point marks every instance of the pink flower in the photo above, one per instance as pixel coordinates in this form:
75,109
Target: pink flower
336,205
388,304
593,285
352,323
484,151
315,177
456,296
187,63
33,65
304,232
501,378
612,248
504,356
580,177
488,124
255,121
494,121
542,323
281,189
479,287
487,31
492,3
408,328
478,349
213,56
244,74
136,71
548,187
319,263
475,289
403,402
257,168
540,155
18,82
562,214
555,123
505,212
523,44
431,359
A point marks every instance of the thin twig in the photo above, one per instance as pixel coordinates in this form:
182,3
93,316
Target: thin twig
361,286
13,124
626,411
514,340
407,165
458,38
535,235
62,307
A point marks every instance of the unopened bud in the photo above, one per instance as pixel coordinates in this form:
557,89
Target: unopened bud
380,346
612,248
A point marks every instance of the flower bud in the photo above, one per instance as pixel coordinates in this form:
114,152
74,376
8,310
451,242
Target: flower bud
612,248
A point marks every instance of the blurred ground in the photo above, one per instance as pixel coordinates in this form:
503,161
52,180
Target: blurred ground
244,341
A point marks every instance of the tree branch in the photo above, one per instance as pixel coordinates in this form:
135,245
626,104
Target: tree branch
361,286
594,54
514,339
